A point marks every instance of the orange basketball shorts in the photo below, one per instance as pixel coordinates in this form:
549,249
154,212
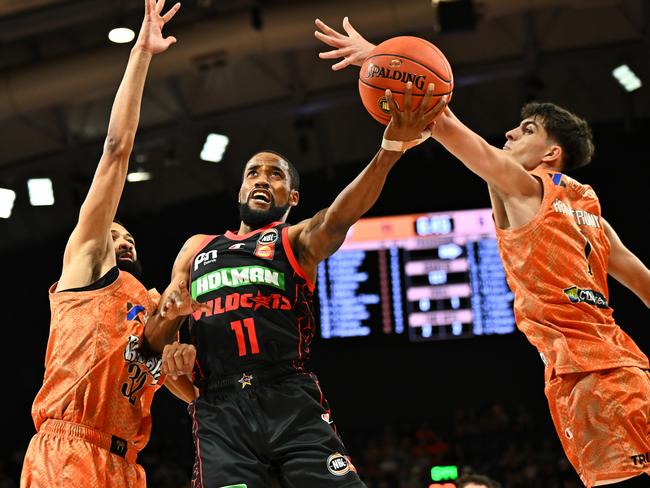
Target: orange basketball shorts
603,420
69,456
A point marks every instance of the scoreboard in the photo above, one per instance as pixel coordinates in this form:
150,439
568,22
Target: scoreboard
431,276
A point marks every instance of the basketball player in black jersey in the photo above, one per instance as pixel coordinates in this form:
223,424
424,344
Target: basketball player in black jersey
260,409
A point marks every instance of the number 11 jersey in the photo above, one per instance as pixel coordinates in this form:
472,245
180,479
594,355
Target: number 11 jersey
261,304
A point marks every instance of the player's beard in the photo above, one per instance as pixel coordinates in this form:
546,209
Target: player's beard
256,219
133,267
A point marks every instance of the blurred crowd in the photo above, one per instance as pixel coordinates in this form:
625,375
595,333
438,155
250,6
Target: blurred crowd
511,445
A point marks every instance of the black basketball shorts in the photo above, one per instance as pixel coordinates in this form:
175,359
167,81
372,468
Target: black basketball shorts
248,430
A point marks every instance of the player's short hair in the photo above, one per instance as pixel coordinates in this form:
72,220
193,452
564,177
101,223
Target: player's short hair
571,132
477,479
294,176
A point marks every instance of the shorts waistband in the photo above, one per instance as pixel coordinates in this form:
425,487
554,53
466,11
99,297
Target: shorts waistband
111,443
252,378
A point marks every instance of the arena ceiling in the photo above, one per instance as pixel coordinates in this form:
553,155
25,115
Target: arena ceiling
249,69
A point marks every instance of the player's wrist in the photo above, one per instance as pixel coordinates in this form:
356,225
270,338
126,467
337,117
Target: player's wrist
403,146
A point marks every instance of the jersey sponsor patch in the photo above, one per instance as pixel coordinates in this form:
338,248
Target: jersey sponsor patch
205,258
338,464
264,251
592,297
234,277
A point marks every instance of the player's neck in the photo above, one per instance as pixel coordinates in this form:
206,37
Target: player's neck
244,229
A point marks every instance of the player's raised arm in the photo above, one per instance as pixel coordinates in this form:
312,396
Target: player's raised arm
498,168
317,238
626,268
89,246
353,48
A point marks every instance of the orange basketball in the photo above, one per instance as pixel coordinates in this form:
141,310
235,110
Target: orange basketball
395,62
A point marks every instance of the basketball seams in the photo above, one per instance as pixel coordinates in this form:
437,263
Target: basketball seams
401,92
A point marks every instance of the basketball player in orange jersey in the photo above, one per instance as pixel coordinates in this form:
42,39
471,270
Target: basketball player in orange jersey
260,409
557,251
92,414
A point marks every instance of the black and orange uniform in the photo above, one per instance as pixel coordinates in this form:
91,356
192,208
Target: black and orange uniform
597,382
260,409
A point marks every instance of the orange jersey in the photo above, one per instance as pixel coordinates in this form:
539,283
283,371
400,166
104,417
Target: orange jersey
556,265
95,372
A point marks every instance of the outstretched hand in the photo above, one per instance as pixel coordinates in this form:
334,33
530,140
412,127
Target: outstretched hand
353,48
177,302
407,124
151,38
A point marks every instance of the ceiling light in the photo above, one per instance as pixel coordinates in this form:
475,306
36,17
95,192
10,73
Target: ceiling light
137,176
121,35
627,78
7,198
40,192
214,148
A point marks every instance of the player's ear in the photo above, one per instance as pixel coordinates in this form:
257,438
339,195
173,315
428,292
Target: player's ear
553,156
294,197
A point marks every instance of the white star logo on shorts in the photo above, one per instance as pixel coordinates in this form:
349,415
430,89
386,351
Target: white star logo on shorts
245,380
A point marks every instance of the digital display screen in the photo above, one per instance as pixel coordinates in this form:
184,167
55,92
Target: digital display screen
432,276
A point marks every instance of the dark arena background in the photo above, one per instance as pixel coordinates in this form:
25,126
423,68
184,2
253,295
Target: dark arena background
415,408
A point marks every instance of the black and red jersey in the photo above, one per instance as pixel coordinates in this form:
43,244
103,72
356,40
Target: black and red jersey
261,299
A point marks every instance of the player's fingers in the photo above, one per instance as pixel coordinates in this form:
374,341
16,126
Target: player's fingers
165,369
177,361
435,111
336,53
329,40
149,6
439,107
169,15
164,308
426,99
408,97
326,29
347,27
182,297
394,109
188,360
342,64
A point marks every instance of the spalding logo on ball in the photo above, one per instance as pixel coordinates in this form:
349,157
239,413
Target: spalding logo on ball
395,62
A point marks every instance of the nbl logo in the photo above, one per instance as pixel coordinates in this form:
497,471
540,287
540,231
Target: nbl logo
338,464
268,237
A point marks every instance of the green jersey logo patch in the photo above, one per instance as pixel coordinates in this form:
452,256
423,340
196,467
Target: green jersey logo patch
235,277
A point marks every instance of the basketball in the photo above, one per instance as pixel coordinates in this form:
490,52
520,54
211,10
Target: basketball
395,62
